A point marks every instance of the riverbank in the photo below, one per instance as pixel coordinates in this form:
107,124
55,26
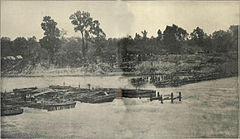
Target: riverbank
184,64
62,75
39,71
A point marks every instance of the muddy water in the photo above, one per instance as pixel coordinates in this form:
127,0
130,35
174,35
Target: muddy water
96,81
129,118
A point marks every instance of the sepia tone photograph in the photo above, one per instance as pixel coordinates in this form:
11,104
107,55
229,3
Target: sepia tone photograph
119,69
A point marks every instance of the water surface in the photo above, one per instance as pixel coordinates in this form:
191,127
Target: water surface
208,109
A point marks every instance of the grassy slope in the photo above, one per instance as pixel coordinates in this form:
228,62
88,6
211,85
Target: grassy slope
167,64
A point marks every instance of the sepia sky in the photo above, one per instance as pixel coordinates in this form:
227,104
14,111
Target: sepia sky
118,18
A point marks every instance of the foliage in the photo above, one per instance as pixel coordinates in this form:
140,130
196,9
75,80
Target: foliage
156,67
173,37
159,34
20,46
50,41
84,23
139,54
198,37
68,54
6,47
221,40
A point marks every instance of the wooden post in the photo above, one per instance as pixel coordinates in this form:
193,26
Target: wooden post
158,94
180,96
172,97
150,97
78,85
161,98
89,86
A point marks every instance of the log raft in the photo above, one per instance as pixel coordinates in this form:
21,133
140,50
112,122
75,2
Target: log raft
65,97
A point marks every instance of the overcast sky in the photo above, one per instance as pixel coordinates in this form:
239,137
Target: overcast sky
118,18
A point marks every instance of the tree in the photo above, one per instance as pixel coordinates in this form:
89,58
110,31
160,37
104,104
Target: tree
234,31
20,46
173,37
221,40
144,33
33,50
50,41
99,37
69,54
159,35
125,52
87,26
137,37
200,39
6,46
62,34
198,36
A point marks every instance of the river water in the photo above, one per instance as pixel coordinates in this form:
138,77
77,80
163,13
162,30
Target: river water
126,118
96,81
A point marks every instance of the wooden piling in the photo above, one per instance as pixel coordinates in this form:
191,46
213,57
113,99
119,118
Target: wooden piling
161,99
172,97
180,96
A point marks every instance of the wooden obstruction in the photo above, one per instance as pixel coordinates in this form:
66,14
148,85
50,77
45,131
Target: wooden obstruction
180,96
161,99
166,97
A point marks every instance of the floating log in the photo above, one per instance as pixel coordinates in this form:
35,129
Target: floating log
59,87
10,110
53,106
59,106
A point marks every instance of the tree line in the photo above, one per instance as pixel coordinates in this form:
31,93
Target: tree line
92,46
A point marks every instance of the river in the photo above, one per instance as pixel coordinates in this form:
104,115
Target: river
96,81
208,109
